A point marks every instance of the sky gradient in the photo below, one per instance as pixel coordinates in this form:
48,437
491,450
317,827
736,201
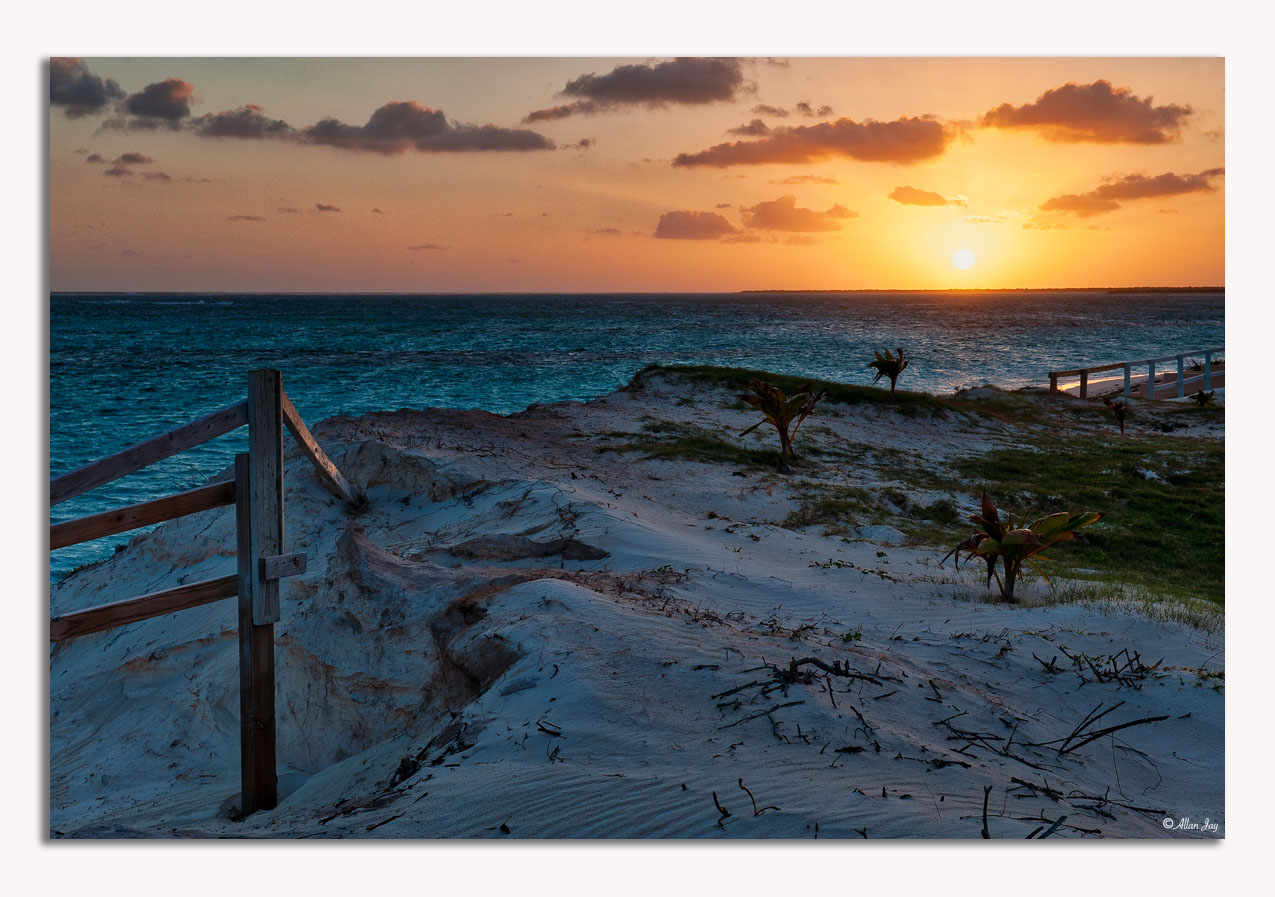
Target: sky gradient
577,174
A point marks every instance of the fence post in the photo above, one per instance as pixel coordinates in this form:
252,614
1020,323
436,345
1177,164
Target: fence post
256,664
1150,380
1053,382
1084,384
1208,370
1126,379
260,536
1181,378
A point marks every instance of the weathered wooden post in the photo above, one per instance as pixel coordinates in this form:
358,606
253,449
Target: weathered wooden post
1127,371
1084,384
259,515
1053,382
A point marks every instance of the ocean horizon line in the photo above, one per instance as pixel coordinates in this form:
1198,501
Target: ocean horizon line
753,292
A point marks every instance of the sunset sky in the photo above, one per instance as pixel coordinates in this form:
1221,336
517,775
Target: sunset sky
661,174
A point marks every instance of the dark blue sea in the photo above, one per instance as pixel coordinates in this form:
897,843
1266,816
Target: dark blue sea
123,368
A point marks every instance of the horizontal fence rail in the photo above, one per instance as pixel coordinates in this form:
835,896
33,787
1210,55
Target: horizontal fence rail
134,610
144,454
170,507
1178,385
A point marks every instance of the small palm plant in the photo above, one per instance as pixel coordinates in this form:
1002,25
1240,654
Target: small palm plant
889,366
1120,409
784,413
1203,398
1016,545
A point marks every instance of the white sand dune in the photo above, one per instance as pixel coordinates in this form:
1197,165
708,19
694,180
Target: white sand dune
523,636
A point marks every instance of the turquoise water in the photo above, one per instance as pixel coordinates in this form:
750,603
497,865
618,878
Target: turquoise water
122,368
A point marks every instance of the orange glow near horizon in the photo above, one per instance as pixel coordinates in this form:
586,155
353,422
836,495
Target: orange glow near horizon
296,175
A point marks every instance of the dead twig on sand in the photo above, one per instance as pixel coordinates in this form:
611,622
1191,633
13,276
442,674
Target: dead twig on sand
987,791
761,713
756,812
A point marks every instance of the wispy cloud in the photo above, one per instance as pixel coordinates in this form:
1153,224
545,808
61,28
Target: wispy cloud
685,225
77,91
784,214
1108,196
684,81
913,196
398,127
904,141
1093,113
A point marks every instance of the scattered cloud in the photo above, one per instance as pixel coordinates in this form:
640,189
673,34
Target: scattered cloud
132,159
913,196
168,101
773,111
798,179
324,207
288,210
606,231
755,128
424,247
247,122
1092,113
809,111
77,91
683,81
245,218
684,225
723,205
583,143
784,214
377,212
903,141
1107,196
156,176
118,171
398,127
744,238
95,159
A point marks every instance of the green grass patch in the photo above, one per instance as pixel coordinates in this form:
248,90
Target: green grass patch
669,441
1163,531
909,404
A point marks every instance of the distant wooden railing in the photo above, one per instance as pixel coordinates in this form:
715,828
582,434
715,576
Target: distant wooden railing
1150,363
257,494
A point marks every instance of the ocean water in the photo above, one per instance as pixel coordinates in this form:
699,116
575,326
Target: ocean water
123,368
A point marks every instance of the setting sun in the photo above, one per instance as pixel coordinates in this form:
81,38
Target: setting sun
963,259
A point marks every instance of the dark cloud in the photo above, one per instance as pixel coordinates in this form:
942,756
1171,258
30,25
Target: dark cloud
1107,196
784,214
912,196
693,226
903,141
810,112
132,159
166,101
245,218
287,210
422,247
247,122
78,91
682,82
773,111
797,179
398,127
755,128
1092,113
156,176
324,207
583,143
377,212
723,205
118,171
95,159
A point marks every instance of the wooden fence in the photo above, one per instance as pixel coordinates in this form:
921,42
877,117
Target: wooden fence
1151,365
257,494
